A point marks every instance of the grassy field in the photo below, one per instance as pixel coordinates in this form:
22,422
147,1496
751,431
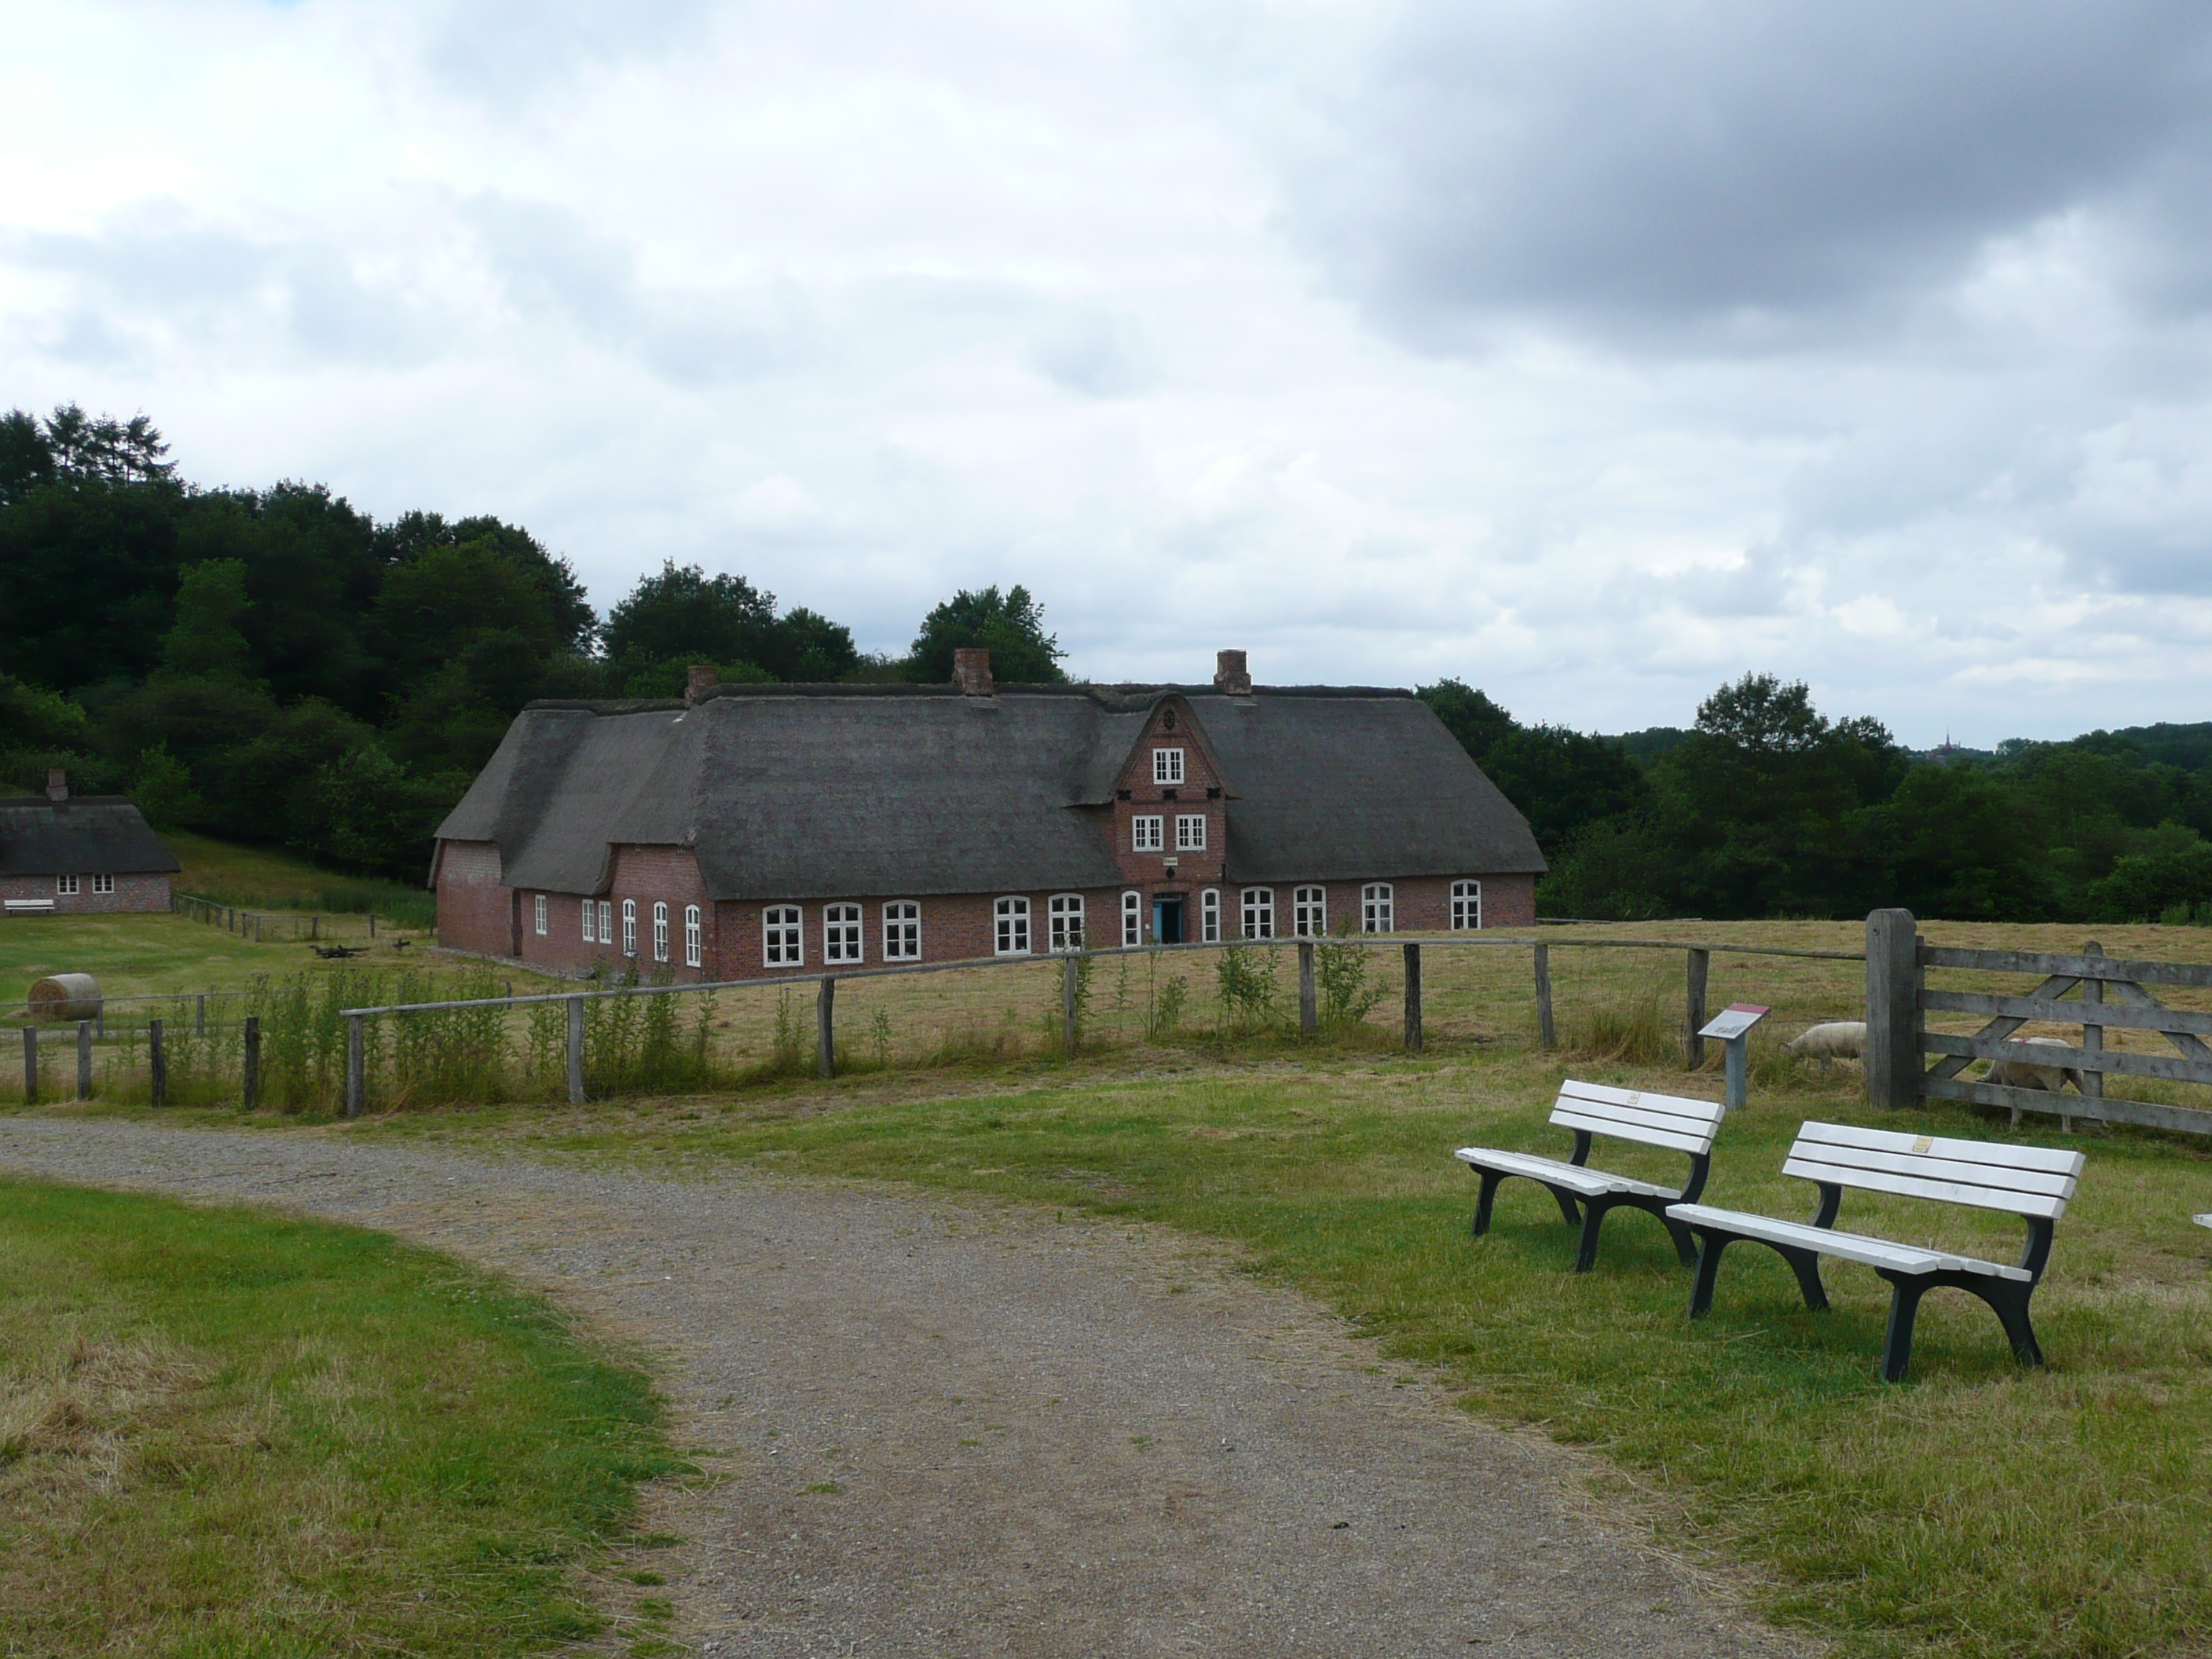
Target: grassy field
267,878
226,1433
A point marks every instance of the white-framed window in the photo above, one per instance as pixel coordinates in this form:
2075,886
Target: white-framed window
1013,930
1064,917
65,886
1167,766
1309,912
630,927
589,936
1259,912
1132,919
660,932
103,884
1466,906
1190,832
783,942
691,941
1378,907
606,921
1209,916
1145,832
902,930
537,914
841,932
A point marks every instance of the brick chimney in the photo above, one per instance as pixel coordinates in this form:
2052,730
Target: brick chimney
700,681
57,785
971,671
1231,676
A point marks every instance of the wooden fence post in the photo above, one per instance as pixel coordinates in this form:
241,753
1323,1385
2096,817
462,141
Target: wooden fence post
825,1028
1544,1034
1069,972
30,1065
157,1064
1892,1011
2093,1035
1309,1008
315,928
1412,999
356,1064
1701,963
199,1014
575,1051
250,1084
84,1060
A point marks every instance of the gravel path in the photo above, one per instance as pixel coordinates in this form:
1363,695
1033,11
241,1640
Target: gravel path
972,1430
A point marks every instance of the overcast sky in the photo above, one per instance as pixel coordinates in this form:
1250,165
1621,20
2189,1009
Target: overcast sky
1593,352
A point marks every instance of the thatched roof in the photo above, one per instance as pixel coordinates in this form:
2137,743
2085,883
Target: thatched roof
85,835
845,791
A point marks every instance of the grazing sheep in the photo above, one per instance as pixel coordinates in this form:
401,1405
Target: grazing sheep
1839,1039
2027,1074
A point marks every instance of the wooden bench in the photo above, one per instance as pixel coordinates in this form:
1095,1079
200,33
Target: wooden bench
2029,1181
1585,1194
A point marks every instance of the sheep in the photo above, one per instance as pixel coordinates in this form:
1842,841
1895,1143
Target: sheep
1839,1039
2027,1074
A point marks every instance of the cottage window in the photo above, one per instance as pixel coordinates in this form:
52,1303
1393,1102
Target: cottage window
1377,908
65,885
1144,833
1466,906
1167,766
841,932
103,884
690,936
537,914
1132,919
783,945
1013,934
660,932
606,922
588,934
1259,912
630,927
1066,917
902,930
1190,832
1209,916
1308,912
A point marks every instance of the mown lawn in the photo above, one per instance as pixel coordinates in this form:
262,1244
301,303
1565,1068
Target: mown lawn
222,1432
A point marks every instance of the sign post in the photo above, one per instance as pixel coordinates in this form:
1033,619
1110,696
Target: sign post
1732,1025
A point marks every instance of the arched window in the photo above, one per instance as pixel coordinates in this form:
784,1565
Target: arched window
1065,916
841,932
537,914
1209,916
691,936
1013,930
1309,912
1466,906
630,927
1259,912
589,936
1132,919
783,942
660,932
1377,908
606,922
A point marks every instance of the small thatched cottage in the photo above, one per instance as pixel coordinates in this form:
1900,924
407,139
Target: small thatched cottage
87,853
762,829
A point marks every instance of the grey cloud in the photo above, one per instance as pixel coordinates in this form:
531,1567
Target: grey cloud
1098,353
551,264
1739,171
504,52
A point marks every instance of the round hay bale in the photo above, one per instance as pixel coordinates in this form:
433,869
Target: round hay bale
65,997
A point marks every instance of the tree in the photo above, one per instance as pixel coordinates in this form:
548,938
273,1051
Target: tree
1009,626
1562,781
1469,715
684,613
26,461
208,640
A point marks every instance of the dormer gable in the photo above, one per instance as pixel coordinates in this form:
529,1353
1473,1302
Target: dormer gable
1171,753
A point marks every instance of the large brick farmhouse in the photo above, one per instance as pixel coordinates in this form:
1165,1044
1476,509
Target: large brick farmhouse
763,828
60,854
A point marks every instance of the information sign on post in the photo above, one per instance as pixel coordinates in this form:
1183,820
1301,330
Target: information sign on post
1732,1025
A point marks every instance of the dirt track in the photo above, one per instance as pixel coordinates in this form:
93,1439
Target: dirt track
973,1430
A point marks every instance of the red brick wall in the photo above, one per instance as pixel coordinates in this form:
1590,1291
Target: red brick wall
132,893
1171,727
475,911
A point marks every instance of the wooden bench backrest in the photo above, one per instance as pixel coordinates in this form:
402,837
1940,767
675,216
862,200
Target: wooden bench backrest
1686,1126
2025,1181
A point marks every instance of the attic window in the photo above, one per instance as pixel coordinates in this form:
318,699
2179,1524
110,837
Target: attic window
1121,795
1167,720
1167,766
1213,794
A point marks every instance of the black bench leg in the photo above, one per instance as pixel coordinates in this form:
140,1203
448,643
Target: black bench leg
1807,1266
1567,1205
2010,1302
1897,1347
1490,1180
1686,1246
1586,1251
1709,1246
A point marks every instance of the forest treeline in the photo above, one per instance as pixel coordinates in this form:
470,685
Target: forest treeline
275,665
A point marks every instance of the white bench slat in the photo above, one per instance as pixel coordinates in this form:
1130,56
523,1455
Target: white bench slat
1998,1179
1849,1246
2047,1206
1675,1140
1681,1106
1995,1152
2201,1220
1656,1118
1591,1183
